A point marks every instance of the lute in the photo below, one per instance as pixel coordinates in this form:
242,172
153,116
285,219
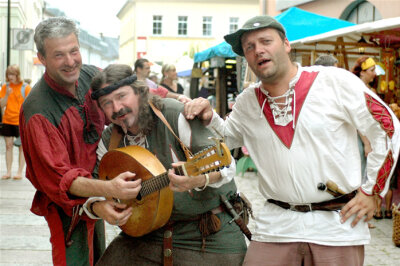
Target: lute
153,206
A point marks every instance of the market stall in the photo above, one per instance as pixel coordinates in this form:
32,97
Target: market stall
379,40
219,77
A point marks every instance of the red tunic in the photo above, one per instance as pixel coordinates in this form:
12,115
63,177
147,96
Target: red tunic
59,135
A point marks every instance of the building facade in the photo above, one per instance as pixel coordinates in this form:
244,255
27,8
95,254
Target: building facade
25,15
356,11
164,31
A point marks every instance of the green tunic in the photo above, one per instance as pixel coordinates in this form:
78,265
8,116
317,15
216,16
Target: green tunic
186,205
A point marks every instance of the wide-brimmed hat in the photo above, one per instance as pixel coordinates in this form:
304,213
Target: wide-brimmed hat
258,22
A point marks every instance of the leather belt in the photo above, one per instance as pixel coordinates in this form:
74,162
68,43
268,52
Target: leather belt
329,205
168,244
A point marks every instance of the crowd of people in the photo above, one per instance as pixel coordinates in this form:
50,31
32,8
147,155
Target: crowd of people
299,124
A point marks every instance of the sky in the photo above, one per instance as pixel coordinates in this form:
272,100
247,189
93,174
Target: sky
95,16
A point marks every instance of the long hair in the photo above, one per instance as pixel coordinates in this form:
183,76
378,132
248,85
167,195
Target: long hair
166,68
13,69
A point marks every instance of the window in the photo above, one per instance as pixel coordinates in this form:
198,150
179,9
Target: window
157,25
360,12
365,12
207,26
182,25
233,24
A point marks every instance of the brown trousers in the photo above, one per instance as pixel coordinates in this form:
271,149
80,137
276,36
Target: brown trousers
298,254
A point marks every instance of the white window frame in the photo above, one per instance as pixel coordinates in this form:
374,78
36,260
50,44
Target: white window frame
157,24
233,24
182,25
207,26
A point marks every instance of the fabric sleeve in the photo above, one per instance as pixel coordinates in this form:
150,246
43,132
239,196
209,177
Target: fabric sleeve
227,128
151,84
102,149
160,91
3,91
47,154
375,120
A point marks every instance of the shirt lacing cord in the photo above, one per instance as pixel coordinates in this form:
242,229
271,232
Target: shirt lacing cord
280,111
90,134
138,140
87,118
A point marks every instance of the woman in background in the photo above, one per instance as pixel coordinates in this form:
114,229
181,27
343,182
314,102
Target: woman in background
169,79
364,68
12,95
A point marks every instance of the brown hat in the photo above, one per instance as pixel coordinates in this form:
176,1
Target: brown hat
258,22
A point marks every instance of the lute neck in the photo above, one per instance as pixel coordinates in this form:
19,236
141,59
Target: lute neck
157,183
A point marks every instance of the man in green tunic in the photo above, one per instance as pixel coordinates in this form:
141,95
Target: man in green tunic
124,100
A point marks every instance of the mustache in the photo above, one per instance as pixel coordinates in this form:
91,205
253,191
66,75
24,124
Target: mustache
123,111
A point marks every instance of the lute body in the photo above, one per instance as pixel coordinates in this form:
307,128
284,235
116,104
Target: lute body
153,206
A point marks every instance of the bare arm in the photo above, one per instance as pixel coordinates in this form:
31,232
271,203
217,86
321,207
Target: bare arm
180,97
121,187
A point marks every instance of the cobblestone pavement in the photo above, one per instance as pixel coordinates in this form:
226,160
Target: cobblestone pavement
24,237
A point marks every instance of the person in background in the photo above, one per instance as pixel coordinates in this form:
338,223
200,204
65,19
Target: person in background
12,95
300,126
364,68
169,79
198,231
153,77
17,141
60,128
326,60
142,70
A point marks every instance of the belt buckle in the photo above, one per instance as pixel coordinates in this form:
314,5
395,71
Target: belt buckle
301,208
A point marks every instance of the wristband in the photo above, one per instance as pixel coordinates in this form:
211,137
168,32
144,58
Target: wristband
91,209
88,207
205,185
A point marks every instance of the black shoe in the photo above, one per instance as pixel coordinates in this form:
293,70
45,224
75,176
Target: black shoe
378,215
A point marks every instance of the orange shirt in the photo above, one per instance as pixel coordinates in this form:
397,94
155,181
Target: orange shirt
14,102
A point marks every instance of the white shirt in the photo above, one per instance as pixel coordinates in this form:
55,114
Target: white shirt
324,147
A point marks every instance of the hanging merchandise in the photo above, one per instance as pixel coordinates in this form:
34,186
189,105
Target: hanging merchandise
387,84
397,79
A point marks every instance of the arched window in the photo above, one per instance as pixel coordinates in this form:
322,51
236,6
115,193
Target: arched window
361,11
